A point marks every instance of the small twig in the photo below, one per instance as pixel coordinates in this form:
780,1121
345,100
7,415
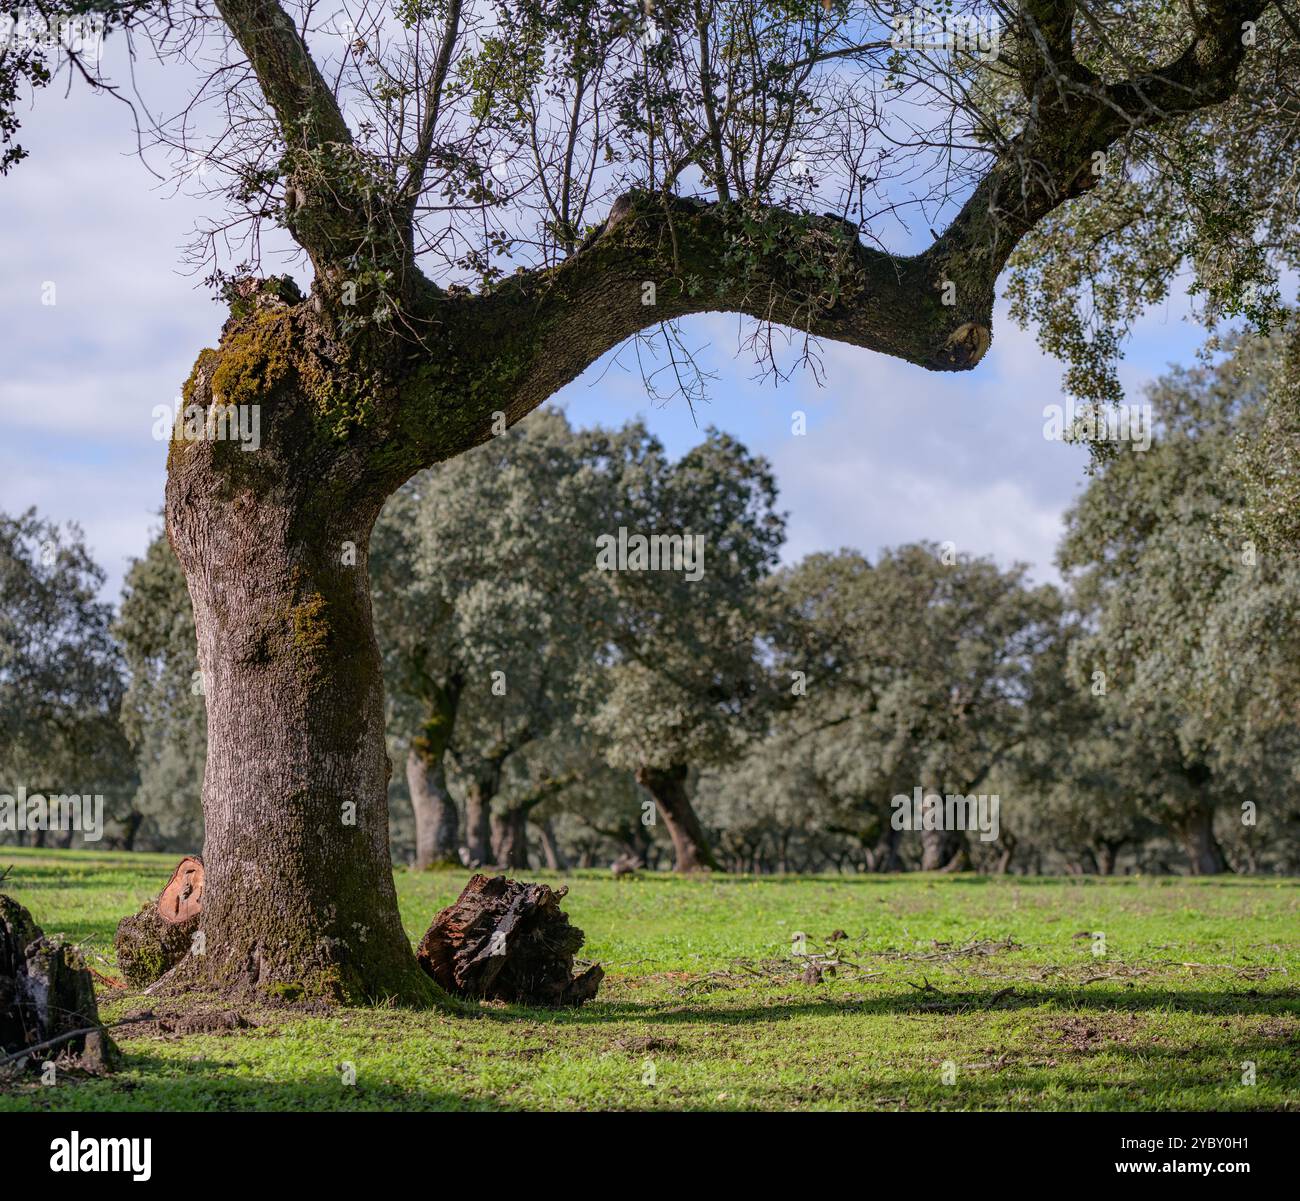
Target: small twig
27,1052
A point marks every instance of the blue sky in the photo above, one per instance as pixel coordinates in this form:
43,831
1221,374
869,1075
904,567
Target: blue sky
891,454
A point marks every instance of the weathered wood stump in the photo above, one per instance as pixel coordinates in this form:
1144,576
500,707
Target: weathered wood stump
45,993
151,942
509,941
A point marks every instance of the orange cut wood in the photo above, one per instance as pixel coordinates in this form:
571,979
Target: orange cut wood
182,898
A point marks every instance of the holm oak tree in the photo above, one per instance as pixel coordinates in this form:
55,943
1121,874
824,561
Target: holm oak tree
493,196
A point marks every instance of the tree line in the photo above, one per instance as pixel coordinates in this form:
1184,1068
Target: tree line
551,704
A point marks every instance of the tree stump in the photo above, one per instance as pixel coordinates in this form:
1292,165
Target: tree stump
150,943
46,992
509,941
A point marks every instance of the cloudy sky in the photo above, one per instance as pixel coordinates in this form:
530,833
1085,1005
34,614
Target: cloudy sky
891,453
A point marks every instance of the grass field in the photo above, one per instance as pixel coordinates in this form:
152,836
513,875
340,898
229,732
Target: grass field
955,993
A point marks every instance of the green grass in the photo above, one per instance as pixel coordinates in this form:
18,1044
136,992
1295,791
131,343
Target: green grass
1197,979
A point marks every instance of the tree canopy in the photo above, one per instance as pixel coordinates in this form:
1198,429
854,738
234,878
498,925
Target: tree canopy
60,669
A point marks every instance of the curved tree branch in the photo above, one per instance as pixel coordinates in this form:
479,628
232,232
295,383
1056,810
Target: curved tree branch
812,273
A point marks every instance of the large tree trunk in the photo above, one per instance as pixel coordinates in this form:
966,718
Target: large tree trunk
437,825
668,788
299,892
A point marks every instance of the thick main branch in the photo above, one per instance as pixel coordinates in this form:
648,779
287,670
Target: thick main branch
660,258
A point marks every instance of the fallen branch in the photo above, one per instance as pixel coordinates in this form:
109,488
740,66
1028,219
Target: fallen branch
27,1052
111,981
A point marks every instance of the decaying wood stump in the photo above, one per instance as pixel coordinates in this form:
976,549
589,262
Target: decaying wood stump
509,941
181,899
153,941
46,992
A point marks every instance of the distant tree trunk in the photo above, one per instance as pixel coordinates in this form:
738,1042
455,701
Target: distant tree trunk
1105,854
937,846
1204,855
478,828
510,839
641,842
554,856
437,824
944,850
668,788
887,858
131,830
483,785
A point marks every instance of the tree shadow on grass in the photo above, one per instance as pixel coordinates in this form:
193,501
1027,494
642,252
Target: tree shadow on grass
939,1004
199,1086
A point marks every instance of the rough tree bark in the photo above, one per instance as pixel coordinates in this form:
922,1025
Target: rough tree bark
668,788
299,887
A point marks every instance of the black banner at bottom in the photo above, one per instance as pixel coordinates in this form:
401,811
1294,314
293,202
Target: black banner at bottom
342,1150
